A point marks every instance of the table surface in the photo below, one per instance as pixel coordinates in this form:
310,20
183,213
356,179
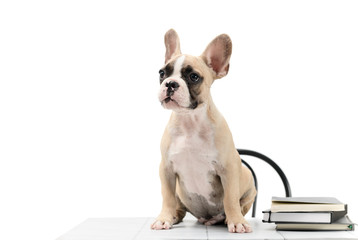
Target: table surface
139,228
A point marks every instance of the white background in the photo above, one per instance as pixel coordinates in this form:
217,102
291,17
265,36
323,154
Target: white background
80,123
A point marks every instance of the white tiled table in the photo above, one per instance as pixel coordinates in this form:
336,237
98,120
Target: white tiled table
138,228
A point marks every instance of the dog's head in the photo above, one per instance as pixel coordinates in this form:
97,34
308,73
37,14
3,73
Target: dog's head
185,80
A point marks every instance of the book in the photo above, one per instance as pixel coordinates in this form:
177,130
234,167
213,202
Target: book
306,204
303,217
342,224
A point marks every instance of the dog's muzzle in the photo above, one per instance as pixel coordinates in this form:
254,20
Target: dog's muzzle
174,94
172,86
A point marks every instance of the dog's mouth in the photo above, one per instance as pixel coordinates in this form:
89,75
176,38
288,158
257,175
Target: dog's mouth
168,99
170,103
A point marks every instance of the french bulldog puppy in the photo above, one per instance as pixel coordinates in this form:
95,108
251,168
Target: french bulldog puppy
200,170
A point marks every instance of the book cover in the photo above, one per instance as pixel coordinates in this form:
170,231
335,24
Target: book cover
303,217
324,200
342,224
306,204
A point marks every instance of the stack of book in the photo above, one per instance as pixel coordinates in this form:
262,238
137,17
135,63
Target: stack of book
308,213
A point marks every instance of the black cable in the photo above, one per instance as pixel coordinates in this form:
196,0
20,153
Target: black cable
266,159
273,164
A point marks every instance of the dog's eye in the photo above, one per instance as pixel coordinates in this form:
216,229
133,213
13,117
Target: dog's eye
194,77
161,73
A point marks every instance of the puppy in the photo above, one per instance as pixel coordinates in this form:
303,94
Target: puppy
200,170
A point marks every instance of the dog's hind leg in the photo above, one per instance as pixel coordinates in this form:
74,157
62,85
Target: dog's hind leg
247,200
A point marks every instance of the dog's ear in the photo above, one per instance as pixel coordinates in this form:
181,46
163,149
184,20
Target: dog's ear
217,55
172,44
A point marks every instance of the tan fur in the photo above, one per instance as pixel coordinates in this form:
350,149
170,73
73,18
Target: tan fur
235,180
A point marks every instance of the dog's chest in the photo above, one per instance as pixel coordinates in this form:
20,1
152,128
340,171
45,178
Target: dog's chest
193,157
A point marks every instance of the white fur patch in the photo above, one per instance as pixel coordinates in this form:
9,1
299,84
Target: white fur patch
193,151
178,66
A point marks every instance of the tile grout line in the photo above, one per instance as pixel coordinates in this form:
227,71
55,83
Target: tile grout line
207,232
279,232
140,230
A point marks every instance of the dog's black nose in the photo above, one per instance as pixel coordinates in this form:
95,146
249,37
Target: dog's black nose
172,84
171,87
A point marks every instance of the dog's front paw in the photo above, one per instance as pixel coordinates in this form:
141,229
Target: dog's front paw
239,227
159,225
